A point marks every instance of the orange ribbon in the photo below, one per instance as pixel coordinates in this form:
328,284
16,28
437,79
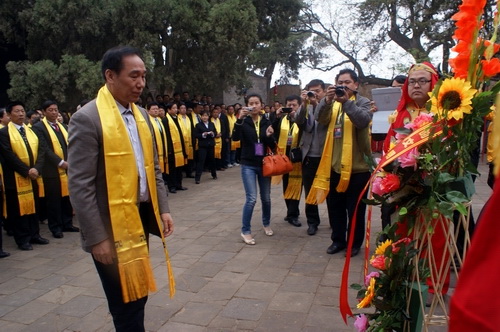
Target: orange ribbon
414,140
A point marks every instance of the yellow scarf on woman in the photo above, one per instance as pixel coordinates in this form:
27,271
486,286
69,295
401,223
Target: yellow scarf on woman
24,187
185,125
176,141
232,120
160,146
56,145
218,140
321,184
136,275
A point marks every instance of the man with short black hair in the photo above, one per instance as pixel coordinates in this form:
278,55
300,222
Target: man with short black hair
116,187
23,156
54,136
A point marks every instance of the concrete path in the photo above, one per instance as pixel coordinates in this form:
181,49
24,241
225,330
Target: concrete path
286,282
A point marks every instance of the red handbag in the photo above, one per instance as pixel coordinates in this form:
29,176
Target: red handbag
276,163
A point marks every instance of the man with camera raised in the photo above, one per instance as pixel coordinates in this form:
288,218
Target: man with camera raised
343,172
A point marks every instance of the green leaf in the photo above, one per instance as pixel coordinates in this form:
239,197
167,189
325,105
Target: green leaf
403,211
456,197
356,286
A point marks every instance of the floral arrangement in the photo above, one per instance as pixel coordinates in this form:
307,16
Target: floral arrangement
431,175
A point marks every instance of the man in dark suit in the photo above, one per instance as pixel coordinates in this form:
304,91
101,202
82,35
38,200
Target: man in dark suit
23,157
99,195
55,181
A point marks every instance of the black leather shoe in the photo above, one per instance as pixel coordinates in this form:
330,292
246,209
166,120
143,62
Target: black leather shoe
58,235
197,182
214,177
181,188
286,219
294,221
333,249
39,240
312,229
25,246
354,252
4,254
71,229
173,191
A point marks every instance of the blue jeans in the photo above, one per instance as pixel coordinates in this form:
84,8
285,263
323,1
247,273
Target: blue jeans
251,175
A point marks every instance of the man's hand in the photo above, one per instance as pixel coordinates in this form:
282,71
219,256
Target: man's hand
33,173
330,94
64,165
168,224
313,100
269,131
373,107
104,252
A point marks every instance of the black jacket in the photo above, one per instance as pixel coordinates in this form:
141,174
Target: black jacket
245,132
208,140
51,166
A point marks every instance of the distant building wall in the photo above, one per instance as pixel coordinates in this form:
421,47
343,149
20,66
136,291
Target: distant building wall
259,86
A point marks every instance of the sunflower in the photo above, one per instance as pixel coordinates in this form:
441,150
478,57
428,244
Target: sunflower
453,99
369,295
381,248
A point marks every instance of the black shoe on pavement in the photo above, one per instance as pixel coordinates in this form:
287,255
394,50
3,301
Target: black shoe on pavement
354,252
25,246
58,235
333,249
173,191
73,229
4,254
294,221
39,240
312,229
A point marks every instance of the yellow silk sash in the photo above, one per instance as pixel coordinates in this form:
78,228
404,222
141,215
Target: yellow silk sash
196,120
218,140
24,187
159,143
294,188
176,141
186,133
321,184
232,120
63,177
4,205
136,275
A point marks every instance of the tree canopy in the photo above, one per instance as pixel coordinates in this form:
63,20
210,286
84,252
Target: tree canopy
197,45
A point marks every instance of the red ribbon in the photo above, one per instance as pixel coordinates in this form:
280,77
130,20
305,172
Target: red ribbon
415,139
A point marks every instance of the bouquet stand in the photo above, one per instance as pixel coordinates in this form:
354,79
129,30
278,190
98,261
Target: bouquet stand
437,242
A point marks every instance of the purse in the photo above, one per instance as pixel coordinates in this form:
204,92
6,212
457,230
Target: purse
276,163
296,155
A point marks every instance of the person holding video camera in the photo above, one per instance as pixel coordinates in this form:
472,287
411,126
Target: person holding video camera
311,144
343,164
287,134
256,135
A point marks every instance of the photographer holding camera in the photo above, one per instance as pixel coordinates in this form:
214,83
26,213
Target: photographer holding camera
343,164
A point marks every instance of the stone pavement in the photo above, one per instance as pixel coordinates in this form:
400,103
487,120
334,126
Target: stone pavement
286,282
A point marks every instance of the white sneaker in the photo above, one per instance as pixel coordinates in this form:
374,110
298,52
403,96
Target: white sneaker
236,164
229,166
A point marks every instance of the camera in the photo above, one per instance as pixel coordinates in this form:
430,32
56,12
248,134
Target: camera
340,90
248,108
286,109
311,94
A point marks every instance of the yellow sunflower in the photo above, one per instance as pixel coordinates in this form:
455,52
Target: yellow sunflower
381,248
369,295
453,99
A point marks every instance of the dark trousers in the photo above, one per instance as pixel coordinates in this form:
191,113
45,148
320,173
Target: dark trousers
226,150
127,317
309,168
25,227
205,155
174,176
59,210
342,207
292,205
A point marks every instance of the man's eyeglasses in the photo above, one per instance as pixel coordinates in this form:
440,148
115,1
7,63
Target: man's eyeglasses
421,81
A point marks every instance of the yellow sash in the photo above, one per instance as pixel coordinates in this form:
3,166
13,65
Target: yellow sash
63,177
294,187
186,133
321,184
196,120
218,140
136,275
232,120
24,187
159,143
176,141
4,205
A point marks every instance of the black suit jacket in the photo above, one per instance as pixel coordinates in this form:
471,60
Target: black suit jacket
13,164
51,165
170,144
208,141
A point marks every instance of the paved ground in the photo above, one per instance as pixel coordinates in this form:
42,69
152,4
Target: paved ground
284,283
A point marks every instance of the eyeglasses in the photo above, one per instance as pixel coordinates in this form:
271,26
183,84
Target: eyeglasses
420,81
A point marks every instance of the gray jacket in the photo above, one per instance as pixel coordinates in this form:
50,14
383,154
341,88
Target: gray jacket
87,178
313,132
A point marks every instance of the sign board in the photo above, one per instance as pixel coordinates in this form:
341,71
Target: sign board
386,100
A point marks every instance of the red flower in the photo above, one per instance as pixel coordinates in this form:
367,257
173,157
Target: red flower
390,183
378,262
491,67
396,247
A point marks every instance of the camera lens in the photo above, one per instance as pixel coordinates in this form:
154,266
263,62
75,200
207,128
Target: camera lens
339,91
310,94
